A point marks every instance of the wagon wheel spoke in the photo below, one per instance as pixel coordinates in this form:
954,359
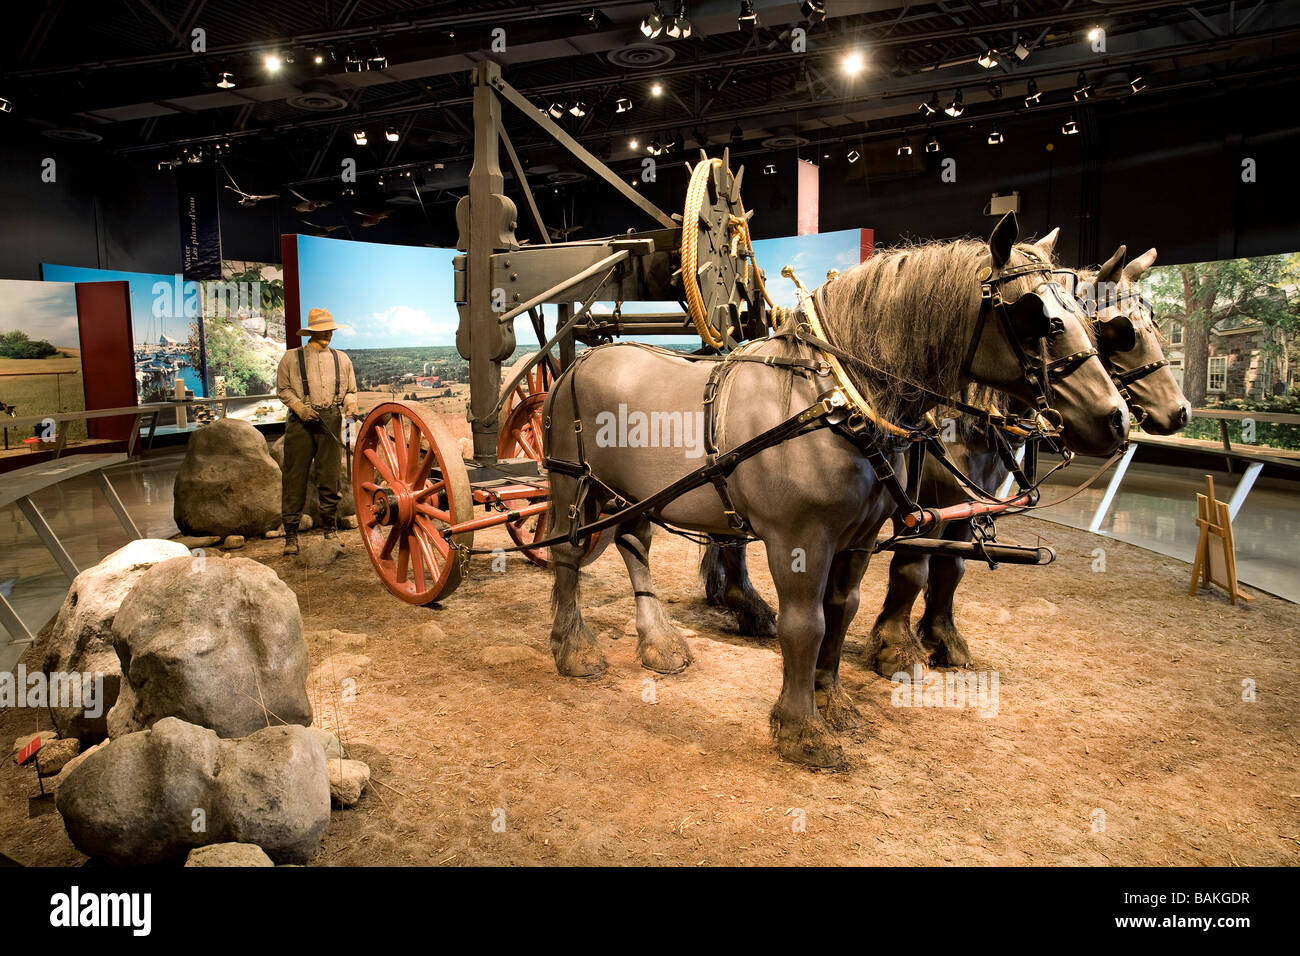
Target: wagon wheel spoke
440,543
400,440
390,456
394,535
433,489
403,556
430,511
417,466
384,470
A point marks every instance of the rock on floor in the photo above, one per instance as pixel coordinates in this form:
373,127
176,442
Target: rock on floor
348,780
80,641
228,482
228,854
155,795
54,755
219,646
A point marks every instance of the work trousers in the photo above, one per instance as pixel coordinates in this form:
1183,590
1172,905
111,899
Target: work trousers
303,442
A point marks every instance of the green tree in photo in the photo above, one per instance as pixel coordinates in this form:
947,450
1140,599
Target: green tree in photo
230,355
18,345
1201,296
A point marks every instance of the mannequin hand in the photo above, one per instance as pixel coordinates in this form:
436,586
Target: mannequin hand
309,414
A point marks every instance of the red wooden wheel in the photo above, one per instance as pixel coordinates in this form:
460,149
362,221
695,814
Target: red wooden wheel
538,381
521,436
410,485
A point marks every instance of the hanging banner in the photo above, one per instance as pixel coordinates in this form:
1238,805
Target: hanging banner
200,222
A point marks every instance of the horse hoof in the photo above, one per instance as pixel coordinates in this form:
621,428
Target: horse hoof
808,742
945,645
837,709
579,660
670,655
892,659
756,623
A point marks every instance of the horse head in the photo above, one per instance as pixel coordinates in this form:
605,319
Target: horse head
1031,342
1129,342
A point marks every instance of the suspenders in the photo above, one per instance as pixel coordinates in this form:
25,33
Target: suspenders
306,388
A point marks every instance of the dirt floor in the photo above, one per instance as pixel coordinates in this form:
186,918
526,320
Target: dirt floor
1120,736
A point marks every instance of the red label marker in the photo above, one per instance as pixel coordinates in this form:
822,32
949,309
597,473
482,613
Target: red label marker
26,753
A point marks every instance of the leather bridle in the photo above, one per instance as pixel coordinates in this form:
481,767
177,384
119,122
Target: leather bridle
1113,312
1038,370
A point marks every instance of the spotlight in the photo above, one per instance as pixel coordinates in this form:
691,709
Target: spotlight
1083,89
592,18
995,90
657,89
769,170
632,183
853,156
194,156
678,26
906,148
226,81
654,147
318,59
747,18
989,59
814,11
1032,96
272,62
1070,127
556,109
932,145
622,105
578,108
633,144
955,108
1138,83
359,137
380,180
1094,34
854,63
391,135
5,106
996,138
930,106
653,25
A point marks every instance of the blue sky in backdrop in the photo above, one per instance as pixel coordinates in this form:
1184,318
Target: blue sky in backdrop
145,326
43,310
401,296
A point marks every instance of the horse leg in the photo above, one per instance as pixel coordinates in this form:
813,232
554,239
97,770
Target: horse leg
727,584
839,607
573,644
894,647
937,629
660,645
802,735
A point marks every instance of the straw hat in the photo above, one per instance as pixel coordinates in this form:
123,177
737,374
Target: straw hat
318,320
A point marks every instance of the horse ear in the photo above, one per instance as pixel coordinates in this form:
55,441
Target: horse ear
1003,239
1110,269
1048,242
1133,271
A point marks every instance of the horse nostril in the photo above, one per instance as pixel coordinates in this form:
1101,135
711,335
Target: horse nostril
1117,422
1181,419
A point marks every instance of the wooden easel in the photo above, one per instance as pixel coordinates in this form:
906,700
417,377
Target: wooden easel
1216,561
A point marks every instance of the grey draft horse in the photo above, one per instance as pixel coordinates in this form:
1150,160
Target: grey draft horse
917,326
1129,344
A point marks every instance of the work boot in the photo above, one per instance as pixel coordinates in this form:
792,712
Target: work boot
290,538
331,527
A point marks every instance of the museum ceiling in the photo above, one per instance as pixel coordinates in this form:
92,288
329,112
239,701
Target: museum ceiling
280,90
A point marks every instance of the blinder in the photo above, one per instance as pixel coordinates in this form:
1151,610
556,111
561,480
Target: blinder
1116,334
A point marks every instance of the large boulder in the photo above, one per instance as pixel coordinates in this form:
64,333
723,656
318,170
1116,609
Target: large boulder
155,795
347,505
228,483
81,639
217,643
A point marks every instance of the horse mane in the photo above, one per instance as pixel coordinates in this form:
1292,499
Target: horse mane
910,311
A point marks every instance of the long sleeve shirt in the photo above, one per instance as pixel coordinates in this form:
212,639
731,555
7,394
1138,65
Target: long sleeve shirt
322,386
